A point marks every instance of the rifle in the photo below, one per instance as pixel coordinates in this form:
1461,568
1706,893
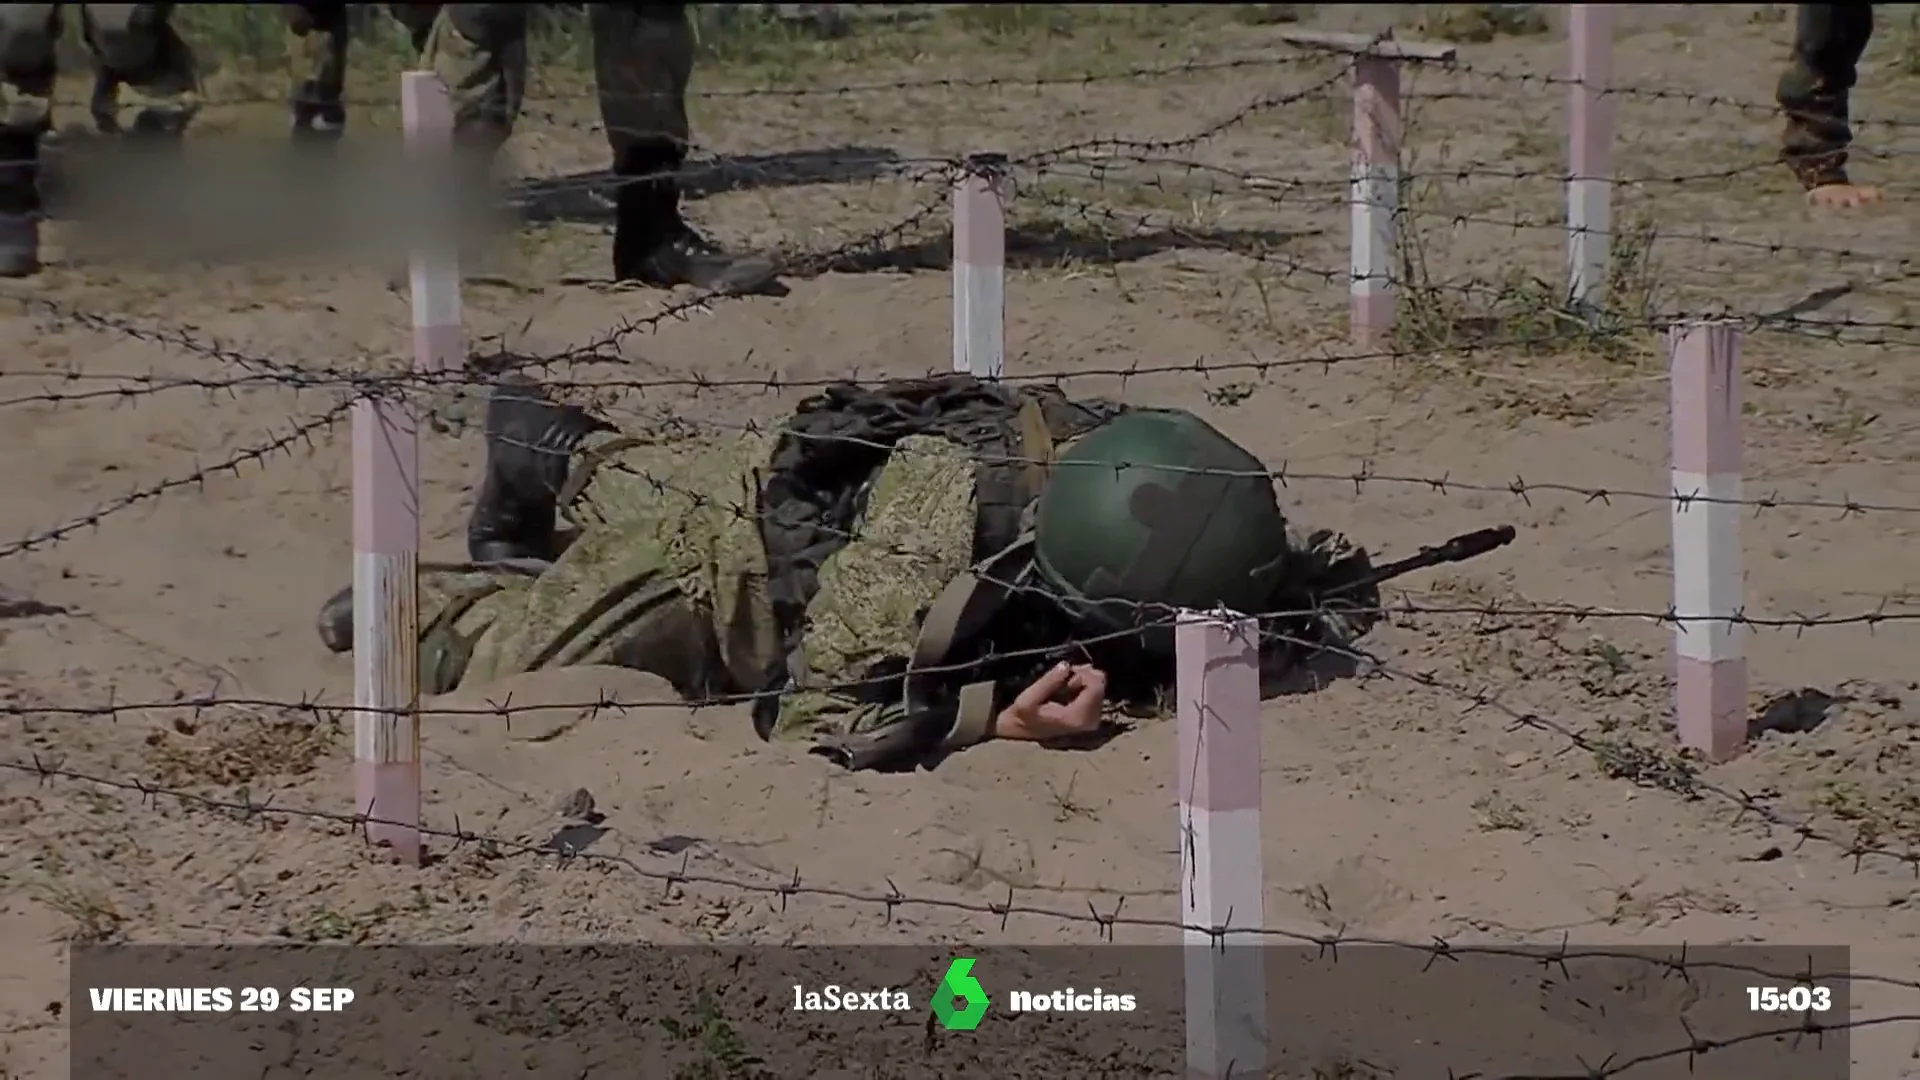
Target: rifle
1129,682
1466,546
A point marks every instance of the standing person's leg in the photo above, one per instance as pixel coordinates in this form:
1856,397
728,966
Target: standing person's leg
28,33
480,52
136,46
320,31
418,19
103,104
642,61
1828,41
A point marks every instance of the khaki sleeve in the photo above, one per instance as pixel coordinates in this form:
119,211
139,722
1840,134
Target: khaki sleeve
974,721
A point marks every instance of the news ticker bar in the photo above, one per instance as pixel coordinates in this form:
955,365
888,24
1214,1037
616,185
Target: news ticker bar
1526,1012
958,1001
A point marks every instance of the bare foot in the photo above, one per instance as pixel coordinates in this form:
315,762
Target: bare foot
1842,196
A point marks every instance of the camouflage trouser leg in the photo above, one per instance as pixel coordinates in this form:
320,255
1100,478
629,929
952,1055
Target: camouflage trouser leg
480,51
318,52
1827,43
28,33
642,61
135,46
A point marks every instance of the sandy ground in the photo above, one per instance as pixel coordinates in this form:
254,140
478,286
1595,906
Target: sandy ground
190,509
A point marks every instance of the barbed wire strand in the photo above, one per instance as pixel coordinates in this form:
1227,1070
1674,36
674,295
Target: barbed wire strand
1101,162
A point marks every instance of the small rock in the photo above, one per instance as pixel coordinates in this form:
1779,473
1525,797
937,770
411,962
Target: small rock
575,805
1517,759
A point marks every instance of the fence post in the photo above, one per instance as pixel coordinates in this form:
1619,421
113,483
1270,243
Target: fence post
1373,184
1374,194
1222,875
1590,128
386,517
980,267
1710,666
386,622
439,343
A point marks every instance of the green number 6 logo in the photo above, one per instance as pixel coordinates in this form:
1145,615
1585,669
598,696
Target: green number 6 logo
956,986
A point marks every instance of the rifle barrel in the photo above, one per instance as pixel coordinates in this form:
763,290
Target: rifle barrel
1466,546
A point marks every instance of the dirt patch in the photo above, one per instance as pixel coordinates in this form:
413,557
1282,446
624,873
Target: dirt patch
241,750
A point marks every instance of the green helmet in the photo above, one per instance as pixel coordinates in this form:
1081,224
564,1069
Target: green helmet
1153,511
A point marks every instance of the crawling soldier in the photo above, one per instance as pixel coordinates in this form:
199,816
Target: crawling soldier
896,572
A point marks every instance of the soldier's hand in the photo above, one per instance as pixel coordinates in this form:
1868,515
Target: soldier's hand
1842,196
1066,700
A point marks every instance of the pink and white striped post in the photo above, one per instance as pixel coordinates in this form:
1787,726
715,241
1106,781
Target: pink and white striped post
386,519
433,265
386,623
1374,195
1710,665
1222,873
980,267
1590,128
1373,187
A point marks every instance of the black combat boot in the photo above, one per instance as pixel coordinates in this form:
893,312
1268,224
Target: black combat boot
317,124
530,443
653,244
19,205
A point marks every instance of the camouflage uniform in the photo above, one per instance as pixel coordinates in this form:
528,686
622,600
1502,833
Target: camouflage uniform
669,530
642,59
796,562
1828,41
132,45
828,570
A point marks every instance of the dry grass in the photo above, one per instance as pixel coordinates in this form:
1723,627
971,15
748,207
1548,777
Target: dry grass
244,49
238,750
92,917
1480,23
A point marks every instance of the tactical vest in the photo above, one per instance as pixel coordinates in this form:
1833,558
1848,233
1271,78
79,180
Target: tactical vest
852,496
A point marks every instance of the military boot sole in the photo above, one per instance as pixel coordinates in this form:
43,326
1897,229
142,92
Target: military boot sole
725,274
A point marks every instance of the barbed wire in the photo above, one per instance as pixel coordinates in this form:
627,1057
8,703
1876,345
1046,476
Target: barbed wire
1680,962
399,381
1366,473
46,771
1644,766
1108,219
138,385
1358,478
1104,172
1038,162
1666,95
1108,164
301,431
